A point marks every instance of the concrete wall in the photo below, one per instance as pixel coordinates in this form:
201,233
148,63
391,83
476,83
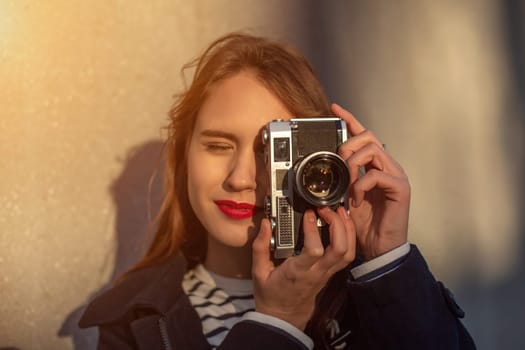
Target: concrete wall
84,91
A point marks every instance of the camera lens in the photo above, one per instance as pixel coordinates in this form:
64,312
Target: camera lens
322,178
318,178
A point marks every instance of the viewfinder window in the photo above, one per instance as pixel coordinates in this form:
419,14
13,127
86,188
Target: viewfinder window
281,147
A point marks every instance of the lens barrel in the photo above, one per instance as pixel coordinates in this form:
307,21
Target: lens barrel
321,178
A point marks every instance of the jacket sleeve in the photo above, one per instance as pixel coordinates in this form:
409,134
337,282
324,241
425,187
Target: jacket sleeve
407,309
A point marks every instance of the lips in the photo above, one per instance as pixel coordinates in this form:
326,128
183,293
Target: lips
235,210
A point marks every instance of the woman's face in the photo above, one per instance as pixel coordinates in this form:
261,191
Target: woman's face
226,171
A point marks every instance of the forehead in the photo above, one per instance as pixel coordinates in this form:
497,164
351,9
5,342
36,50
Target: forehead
240,104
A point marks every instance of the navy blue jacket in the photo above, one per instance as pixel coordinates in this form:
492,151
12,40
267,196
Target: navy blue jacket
404,309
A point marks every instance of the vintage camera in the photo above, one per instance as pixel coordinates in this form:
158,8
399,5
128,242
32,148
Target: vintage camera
305,172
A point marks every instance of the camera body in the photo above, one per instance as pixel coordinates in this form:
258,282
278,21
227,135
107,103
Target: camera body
305,171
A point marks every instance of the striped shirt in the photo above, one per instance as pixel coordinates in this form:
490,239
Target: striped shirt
219,301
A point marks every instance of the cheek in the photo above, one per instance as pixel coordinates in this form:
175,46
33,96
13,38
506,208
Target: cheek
205,175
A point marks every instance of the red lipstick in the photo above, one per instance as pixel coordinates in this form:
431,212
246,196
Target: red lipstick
235,210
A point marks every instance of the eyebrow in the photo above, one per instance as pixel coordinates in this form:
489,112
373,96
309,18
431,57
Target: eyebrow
218,133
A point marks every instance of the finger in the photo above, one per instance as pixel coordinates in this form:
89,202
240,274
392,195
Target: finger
313,248
351,239
371,156
393,187
354,144
338,247
353,125
261,258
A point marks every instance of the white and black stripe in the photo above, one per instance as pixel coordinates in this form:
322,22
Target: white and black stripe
220,302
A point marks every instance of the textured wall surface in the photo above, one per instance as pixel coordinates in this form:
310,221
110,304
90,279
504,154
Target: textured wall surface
84,92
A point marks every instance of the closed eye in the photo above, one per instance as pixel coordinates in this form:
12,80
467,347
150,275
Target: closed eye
218,147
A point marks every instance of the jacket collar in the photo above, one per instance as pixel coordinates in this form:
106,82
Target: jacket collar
157,287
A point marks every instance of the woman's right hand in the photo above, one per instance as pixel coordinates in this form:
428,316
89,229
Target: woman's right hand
288,291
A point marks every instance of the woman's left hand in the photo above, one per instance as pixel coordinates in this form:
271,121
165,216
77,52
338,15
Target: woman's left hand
288,291
379,199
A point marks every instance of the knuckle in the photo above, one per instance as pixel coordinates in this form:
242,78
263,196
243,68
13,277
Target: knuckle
315,252
290,275
257,274
327,214
374,172
338,251
368,134
345,151
348,257
257,245
311,285
378,147
405,187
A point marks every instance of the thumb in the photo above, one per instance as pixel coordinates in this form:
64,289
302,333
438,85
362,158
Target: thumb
262,263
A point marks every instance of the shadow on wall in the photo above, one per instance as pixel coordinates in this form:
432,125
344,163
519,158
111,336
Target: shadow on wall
136,193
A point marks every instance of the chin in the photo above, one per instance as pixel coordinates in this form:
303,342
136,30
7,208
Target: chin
242,239
235,237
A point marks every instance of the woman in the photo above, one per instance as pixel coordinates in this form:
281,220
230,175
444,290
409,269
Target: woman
231,294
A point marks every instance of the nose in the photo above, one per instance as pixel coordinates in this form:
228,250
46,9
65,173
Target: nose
243,173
